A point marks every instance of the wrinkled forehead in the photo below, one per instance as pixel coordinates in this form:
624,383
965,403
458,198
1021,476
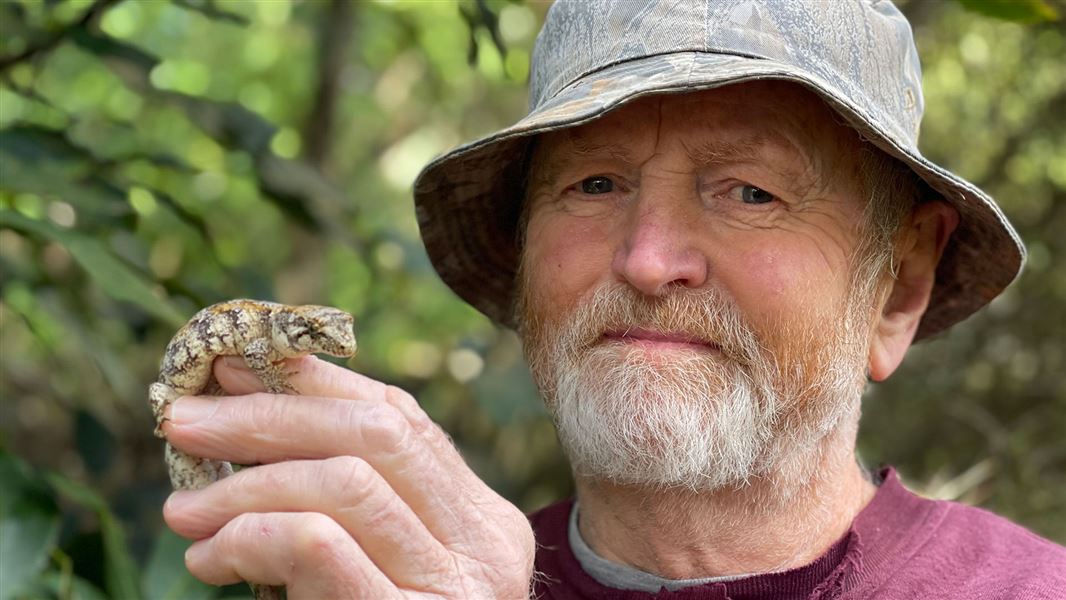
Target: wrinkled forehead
774,121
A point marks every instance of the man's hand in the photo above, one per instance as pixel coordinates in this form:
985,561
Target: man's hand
357,494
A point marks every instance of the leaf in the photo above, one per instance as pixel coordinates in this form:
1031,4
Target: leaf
41,161
77,493
29,525
22,300
96,445
44,161
33,143
56,585
294,186
1019,11
120,570
112,275
46,309
211,11
165,576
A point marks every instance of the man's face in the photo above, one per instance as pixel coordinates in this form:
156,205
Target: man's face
685,300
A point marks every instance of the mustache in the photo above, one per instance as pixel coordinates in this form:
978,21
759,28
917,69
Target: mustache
707,315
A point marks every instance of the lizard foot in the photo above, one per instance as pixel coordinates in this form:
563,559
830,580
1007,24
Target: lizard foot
159,398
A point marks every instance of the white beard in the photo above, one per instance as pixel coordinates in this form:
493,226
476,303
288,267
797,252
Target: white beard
690,419
623,418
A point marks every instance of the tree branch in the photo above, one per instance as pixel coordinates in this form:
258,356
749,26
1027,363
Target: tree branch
48,44
211,11
336,31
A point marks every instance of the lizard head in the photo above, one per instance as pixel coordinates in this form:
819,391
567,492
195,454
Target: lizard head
313,329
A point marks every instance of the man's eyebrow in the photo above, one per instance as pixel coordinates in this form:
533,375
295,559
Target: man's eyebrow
549,166
746,149
586,148
753,149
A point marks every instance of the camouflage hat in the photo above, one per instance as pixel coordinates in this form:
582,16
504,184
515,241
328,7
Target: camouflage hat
595,55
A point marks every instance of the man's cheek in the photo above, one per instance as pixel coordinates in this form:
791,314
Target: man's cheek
567,263
763,275
772,284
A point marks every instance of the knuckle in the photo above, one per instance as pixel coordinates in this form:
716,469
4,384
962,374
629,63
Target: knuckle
264,477
417,419
237,533
409,407
512,533
319,539
355,482
384,427
349,477
399,398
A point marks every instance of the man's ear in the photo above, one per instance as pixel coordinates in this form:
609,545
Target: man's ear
921,245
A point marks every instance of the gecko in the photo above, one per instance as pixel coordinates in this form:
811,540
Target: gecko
264,334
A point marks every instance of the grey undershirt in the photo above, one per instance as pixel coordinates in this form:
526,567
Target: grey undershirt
621,576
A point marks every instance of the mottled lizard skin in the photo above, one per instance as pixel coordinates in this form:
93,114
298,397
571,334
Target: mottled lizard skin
264,333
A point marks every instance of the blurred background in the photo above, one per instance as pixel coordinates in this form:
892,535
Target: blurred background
159,156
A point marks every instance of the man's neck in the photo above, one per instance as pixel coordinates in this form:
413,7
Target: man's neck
771,524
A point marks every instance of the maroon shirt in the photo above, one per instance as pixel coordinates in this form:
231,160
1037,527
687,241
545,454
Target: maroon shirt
900,546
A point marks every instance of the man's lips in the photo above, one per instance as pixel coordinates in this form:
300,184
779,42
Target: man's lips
658,339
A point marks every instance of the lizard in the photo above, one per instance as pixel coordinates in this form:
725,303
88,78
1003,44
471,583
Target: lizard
264,334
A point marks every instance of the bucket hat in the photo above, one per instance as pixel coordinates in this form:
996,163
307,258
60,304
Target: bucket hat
592,56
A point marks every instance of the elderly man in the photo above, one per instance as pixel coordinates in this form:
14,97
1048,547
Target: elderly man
713,226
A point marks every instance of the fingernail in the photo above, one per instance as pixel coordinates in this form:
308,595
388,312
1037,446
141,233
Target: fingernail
191,409
178,500
235,362
240,374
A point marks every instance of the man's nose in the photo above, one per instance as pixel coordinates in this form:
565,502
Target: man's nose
660,249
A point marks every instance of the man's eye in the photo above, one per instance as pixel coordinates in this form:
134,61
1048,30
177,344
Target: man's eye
597,185
750,194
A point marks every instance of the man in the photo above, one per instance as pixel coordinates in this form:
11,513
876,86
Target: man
711,228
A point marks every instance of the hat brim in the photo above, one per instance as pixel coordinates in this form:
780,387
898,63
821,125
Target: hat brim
468,201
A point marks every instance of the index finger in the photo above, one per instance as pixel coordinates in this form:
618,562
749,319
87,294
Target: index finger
312,376
309,375
421,467
424,468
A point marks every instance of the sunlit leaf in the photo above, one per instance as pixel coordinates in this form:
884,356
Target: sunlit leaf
23,302
302,192
114,277
43,161
1021,11
212,11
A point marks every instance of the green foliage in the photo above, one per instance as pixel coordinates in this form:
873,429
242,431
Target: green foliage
120,572
1021,11
979,413
30,526
159,156
106,270
166,578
